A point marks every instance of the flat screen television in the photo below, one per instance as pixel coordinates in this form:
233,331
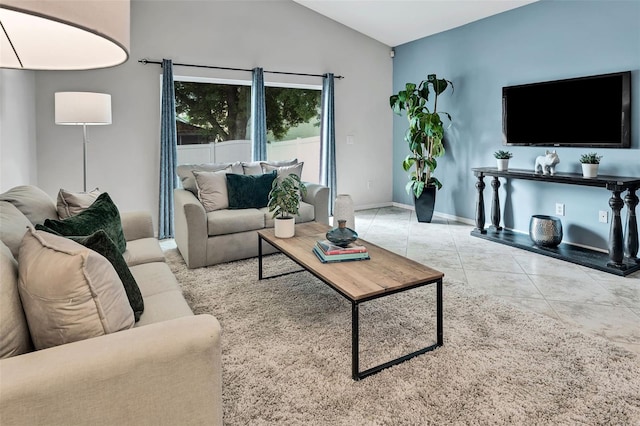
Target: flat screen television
592,111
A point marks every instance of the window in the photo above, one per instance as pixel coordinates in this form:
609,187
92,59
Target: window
293,123
213,122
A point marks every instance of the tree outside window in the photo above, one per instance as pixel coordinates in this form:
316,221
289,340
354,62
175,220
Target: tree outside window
213,112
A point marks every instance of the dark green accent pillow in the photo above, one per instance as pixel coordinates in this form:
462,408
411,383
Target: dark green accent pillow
102,214
102,244
249,191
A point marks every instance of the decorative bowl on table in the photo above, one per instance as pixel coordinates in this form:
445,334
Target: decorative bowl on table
342,236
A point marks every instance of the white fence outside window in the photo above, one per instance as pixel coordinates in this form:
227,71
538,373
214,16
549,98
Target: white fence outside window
304,149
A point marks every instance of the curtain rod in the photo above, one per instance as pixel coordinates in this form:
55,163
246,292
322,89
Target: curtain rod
150,61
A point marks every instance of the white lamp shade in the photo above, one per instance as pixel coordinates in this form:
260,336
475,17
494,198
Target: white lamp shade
75,108
64,34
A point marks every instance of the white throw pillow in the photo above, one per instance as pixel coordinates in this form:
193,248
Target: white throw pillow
284,171
255,167
69,292
188,179
212,189
71,203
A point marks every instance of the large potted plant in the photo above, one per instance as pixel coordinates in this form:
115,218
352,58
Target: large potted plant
424,137
284,203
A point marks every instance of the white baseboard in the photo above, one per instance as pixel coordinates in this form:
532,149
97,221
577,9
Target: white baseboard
372,206
464,220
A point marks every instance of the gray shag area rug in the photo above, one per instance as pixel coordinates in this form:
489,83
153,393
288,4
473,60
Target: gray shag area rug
287,356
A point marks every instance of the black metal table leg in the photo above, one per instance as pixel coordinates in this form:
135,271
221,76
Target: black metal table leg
259,257
439,325
355,337
631,237
355,346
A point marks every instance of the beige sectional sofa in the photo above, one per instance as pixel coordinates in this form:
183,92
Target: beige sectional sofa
164,370
208,238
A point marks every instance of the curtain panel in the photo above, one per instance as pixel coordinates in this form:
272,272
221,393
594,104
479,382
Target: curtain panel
328,140
168,155
258,116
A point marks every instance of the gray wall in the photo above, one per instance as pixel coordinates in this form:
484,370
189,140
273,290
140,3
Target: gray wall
543,41
17,129
276,35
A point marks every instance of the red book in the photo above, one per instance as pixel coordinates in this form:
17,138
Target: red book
329,248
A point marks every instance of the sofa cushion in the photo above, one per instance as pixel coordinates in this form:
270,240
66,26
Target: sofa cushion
188,180
249,191
143,250
255,167
162,295
102,214
69,292
212,189
71,203
284,171
14,331
100,242
13,226
32,201
227,221
306,213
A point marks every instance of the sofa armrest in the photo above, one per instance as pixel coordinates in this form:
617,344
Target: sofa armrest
136,225
191,232
318,196
163,373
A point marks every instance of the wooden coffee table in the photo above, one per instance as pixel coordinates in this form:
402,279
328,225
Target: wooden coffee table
384,274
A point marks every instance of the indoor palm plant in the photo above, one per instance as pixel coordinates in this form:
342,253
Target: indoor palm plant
590,164
424,137
284,203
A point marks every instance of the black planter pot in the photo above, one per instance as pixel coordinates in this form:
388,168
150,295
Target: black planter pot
425,204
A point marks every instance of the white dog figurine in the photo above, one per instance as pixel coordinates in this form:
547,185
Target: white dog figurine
546,164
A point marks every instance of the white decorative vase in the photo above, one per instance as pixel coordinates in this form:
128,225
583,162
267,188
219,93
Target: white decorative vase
343,210
284,227
590,170
503,164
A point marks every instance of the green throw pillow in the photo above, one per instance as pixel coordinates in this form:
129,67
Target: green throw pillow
102,214
100,242
249,191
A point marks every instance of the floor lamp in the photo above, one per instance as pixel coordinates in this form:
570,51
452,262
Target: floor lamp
83,108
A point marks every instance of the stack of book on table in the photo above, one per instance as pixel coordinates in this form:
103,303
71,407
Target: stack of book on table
329,252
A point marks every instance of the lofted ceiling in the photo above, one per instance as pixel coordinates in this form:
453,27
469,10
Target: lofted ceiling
395,22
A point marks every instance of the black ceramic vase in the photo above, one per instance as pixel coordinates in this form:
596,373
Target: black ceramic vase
342,236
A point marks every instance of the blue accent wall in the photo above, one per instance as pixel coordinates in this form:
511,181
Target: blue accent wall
547,40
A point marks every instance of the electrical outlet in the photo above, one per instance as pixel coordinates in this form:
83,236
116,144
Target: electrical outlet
369,184
560,209
603,216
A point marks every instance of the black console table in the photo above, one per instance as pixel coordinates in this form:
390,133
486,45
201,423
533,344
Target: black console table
623,249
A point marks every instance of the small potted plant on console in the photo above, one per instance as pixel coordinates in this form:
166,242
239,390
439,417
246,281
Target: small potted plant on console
502,158
590,164
284,202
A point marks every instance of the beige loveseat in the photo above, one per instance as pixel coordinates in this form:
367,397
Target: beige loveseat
164,370
208,238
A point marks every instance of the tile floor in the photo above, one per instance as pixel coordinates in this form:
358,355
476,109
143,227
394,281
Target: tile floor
595,302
